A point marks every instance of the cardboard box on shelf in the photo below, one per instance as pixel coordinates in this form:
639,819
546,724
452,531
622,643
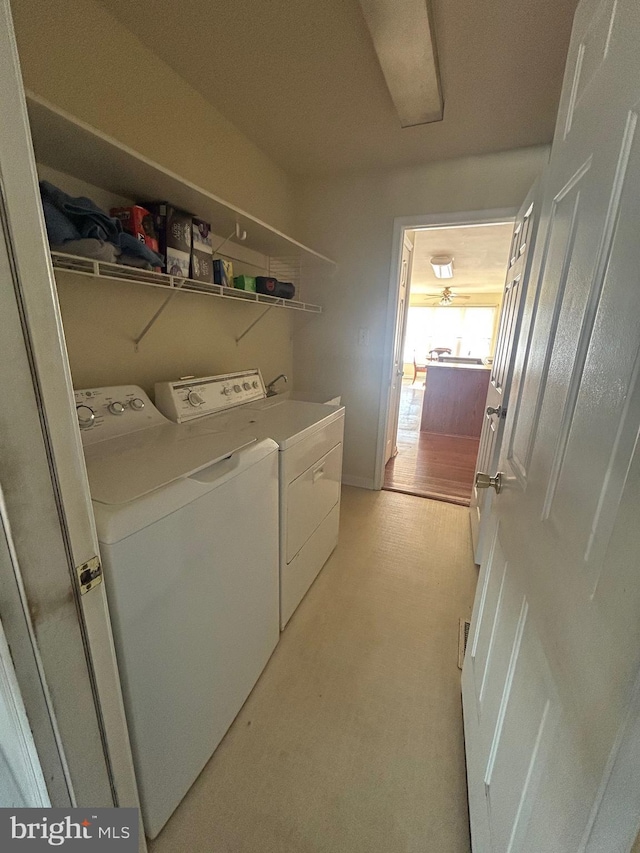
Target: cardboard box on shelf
173,228
201,251
201,266
177,263
139,222
201,236
223,272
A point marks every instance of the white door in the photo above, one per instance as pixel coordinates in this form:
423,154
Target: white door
551,680
509,329
60,639
22,783
21,780
404,280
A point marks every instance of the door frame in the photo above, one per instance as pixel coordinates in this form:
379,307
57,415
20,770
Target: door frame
531,203
59,634
401,323
417,222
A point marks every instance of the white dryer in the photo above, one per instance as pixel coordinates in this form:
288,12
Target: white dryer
187,520
310,437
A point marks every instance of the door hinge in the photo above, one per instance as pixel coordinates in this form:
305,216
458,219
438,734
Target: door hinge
89,574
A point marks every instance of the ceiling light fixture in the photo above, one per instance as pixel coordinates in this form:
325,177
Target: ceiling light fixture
403,39
442,266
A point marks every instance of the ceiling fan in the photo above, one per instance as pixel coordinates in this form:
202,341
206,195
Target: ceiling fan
444,297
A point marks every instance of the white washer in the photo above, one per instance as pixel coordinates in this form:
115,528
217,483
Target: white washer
309,436
187,520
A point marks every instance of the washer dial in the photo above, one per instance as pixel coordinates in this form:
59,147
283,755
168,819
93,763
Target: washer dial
86,416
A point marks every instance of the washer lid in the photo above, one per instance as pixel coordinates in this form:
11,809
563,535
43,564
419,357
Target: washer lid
285,421
130,466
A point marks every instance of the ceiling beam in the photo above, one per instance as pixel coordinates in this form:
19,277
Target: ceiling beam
403,39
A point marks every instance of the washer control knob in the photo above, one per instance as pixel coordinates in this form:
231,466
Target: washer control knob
226,391
246,386
237,389
116,408
137,404
255,383
86,416
195,399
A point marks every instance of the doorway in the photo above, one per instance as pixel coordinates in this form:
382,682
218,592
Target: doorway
446,336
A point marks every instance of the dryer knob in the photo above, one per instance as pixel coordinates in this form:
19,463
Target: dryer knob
195,399
255,383
246,386
86,416
226,391
237,389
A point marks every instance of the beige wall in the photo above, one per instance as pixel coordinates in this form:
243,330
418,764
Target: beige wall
195,335
80,58
351,219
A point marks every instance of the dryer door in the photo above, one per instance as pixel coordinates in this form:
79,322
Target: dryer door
310,499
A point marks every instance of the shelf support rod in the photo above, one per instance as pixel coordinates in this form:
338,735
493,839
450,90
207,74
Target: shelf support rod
255,323
147,328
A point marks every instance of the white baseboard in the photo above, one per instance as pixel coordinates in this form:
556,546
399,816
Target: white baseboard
358,482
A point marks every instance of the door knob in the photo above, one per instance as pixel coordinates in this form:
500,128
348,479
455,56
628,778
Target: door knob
499,411
484,481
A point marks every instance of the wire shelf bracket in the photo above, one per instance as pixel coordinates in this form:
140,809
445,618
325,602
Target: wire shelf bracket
173,285
255,323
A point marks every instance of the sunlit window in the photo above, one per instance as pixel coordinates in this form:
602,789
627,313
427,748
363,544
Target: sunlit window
465,331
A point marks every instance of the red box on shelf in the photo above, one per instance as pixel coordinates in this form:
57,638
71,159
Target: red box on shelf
138,221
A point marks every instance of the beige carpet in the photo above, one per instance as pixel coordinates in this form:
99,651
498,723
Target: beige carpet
351,742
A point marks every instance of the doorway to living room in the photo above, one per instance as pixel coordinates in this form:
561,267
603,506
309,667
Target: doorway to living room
449,330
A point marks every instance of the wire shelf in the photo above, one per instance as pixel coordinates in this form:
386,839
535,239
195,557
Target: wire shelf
118,272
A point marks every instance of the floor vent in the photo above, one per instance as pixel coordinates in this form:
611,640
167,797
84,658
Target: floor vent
463,636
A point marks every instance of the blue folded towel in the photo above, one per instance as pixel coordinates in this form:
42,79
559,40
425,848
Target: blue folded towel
130,245
83,213
60,229
69,218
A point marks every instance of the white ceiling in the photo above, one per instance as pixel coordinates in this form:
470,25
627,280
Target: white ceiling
301,78
479,255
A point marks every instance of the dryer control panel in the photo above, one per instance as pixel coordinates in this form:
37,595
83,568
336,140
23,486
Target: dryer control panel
191,398
116,410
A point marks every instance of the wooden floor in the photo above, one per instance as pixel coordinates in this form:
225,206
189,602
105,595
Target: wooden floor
429,464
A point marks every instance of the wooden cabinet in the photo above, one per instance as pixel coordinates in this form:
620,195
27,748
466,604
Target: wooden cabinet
454,399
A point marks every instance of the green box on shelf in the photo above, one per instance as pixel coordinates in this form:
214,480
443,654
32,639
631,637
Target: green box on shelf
245,282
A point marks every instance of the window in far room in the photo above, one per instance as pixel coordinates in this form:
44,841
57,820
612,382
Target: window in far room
465,331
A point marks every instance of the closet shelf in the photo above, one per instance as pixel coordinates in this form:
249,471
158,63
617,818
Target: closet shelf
69,145
171,284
